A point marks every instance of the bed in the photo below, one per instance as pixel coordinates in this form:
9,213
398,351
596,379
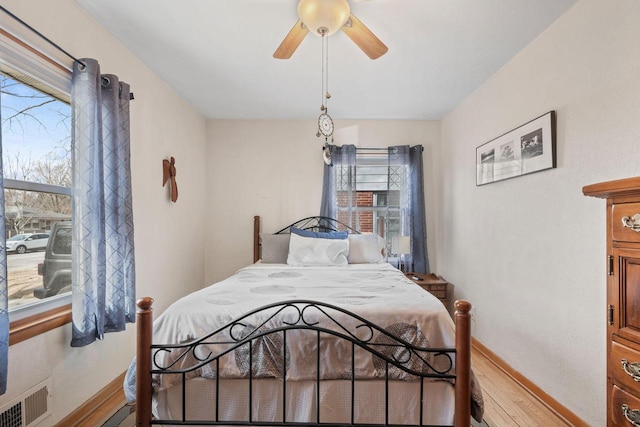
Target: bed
305,343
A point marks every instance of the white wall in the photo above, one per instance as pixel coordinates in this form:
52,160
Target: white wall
274,169
530,252
168,237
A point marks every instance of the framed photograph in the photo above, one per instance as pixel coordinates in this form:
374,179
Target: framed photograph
526,149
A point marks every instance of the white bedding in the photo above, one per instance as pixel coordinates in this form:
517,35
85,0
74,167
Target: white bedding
377,292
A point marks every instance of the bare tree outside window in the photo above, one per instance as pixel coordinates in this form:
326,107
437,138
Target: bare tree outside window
36,149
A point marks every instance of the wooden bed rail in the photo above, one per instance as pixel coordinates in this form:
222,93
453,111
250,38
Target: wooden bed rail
256,238
462,319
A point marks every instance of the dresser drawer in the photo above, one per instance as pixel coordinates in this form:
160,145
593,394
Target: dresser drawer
439,291
432,283
624,407
624,373
626,211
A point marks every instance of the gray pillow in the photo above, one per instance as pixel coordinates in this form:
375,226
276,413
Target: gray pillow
275,248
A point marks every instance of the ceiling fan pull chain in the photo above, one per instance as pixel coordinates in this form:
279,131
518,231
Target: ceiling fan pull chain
322,72
327,95
324,88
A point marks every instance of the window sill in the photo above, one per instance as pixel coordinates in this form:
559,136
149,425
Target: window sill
23,329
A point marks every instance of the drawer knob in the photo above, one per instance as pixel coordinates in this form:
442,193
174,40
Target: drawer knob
632,222
631,369
632,415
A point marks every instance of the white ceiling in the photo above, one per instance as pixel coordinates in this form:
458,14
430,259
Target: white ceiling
218,53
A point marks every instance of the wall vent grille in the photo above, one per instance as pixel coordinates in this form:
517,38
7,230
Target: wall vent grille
36,405
12,417
29,408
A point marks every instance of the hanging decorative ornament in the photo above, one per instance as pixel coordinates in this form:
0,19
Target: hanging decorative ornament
169,174
325,122
326,154
325,125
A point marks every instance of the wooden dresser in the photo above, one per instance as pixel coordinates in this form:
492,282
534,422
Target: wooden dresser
623,298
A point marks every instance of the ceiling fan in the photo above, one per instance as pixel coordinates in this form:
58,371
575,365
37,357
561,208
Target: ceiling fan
325,17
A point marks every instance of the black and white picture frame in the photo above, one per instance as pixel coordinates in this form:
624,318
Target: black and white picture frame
526,149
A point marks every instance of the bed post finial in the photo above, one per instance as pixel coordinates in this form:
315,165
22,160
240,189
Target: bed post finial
144,320
463,363
256,238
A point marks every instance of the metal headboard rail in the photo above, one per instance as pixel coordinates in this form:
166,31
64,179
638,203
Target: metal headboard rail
306,315
312,223
319,223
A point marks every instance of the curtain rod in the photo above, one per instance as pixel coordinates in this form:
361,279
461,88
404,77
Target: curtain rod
42,36
48,40
377,149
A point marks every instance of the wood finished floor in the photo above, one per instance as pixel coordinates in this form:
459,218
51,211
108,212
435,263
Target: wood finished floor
506,402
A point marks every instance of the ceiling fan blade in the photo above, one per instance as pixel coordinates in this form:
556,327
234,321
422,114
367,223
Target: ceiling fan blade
364,38
291,41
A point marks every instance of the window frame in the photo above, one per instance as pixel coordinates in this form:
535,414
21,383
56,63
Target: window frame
347,179
36,319
371,158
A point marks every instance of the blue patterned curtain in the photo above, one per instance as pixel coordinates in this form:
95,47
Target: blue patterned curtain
4,291
418,212
340,176
410,183
103,277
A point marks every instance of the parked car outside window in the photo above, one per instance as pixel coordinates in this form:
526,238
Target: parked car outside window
22,243
56,267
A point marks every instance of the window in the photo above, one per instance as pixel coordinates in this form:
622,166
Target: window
370,187
37,169
62,241
370,193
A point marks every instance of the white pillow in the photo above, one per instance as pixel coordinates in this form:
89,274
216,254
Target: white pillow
317,251
365,248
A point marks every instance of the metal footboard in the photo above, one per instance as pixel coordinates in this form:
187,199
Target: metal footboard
275,325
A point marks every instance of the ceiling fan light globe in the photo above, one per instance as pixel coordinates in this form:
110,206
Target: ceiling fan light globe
323,17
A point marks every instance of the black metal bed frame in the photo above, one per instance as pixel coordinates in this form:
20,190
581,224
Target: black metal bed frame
318,223
308,315
312,223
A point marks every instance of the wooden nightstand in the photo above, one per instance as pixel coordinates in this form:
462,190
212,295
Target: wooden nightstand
433,283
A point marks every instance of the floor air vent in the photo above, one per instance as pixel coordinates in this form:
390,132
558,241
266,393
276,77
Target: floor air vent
29,408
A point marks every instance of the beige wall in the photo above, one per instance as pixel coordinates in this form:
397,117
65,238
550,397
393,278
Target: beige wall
168,237
274,169
530,252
